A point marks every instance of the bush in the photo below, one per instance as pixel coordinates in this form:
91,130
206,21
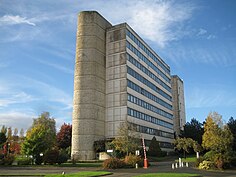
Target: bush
198,161
219,163
209,156
51,156
162,154
131,160
220,160
62,157
7,160
233,161
113,163
23,161
206,165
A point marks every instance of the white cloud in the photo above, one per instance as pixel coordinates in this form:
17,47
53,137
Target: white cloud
17,119
14,20
156,20
217,55
160,21
15,98
49,92
209,97
201,32
57,66
211,36
18,107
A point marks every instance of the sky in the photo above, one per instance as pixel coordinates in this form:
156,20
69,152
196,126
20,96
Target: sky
196,38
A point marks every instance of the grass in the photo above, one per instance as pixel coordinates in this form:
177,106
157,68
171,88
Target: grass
21,175
81,174
188,159
168,175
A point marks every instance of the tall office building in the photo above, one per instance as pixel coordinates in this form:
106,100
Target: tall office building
118,78
178,104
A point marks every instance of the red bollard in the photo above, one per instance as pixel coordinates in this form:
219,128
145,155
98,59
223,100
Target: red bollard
145,164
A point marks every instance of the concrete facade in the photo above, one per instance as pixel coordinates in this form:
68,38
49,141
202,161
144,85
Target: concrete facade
89,85
178,104
116,82
118,78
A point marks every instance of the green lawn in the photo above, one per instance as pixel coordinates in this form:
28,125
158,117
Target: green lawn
81,174
167,175
188,159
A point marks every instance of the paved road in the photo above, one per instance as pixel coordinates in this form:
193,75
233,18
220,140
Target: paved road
163,167
155,168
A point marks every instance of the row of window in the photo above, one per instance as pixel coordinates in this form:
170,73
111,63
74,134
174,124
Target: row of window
149,95
148,106
146,71
147,51
152,131
148,118
149,63
147,83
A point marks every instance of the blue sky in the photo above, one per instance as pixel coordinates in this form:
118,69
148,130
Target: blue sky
37,51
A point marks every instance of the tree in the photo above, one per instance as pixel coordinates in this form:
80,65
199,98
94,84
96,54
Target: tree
40,138
100,145
4,129
185,144
232,126
154,148
64,136
3,139
218,139
9,134
128,139
15,135
22,134
193,129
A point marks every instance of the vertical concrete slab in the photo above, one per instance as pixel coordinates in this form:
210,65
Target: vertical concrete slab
89,85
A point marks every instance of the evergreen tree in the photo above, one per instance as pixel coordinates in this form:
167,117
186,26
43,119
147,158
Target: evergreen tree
3,139
232,126
154,148
194,130
218,139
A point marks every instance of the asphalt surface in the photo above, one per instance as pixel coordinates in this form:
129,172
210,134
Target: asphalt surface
157,167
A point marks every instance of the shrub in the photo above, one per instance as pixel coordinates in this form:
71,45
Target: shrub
233,161
51,156
209,156
38,159
62,157
113,163
220,160
23,161
198,161
162,154
1,159
206,165
154,148
131,160
219,163
7,160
